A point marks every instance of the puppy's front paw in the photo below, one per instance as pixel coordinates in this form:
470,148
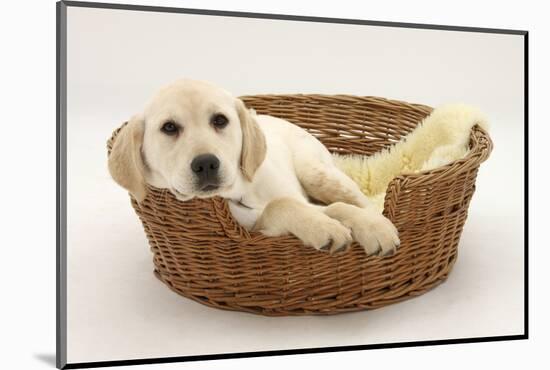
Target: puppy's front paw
325,234
376,234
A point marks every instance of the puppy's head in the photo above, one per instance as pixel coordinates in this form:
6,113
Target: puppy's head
192,138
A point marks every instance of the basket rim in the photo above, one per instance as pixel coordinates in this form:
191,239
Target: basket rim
481,146
345,98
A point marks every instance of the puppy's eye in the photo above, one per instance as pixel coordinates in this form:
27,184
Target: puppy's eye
169,128
219,120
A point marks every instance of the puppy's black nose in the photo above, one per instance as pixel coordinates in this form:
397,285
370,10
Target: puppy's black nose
205,166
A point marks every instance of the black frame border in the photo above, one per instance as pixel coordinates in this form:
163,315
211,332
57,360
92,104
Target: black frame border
61,184
61,172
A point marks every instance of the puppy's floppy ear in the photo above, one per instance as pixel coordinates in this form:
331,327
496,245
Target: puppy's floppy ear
253,147
125,161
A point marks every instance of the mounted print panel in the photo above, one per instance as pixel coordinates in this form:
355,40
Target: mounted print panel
237,185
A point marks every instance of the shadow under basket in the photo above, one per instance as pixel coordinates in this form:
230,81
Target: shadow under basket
202,253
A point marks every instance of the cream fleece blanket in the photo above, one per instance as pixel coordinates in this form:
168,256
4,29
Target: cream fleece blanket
439,139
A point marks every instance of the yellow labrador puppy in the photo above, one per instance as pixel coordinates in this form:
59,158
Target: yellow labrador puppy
197,140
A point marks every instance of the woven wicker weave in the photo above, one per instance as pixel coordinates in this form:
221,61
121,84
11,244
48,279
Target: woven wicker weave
203,254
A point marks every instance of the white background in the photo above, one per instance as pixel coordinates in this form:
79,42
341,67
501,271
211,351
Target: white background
29,260
117,59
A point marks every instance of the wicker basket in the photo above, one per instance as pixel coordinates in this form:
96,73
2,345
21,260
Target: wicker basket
203,254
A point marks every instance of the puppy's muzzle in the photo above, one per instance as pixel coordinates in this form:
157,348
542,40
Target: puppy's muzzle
205,167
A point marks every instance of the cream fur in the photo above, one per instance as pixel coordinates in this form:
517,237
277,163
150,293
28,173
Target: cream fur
441,138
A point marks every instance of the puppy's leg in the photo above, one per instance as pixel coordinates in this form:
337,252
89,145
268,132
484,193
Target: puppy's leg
320,178
285,216
376,234
346,203
328,184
